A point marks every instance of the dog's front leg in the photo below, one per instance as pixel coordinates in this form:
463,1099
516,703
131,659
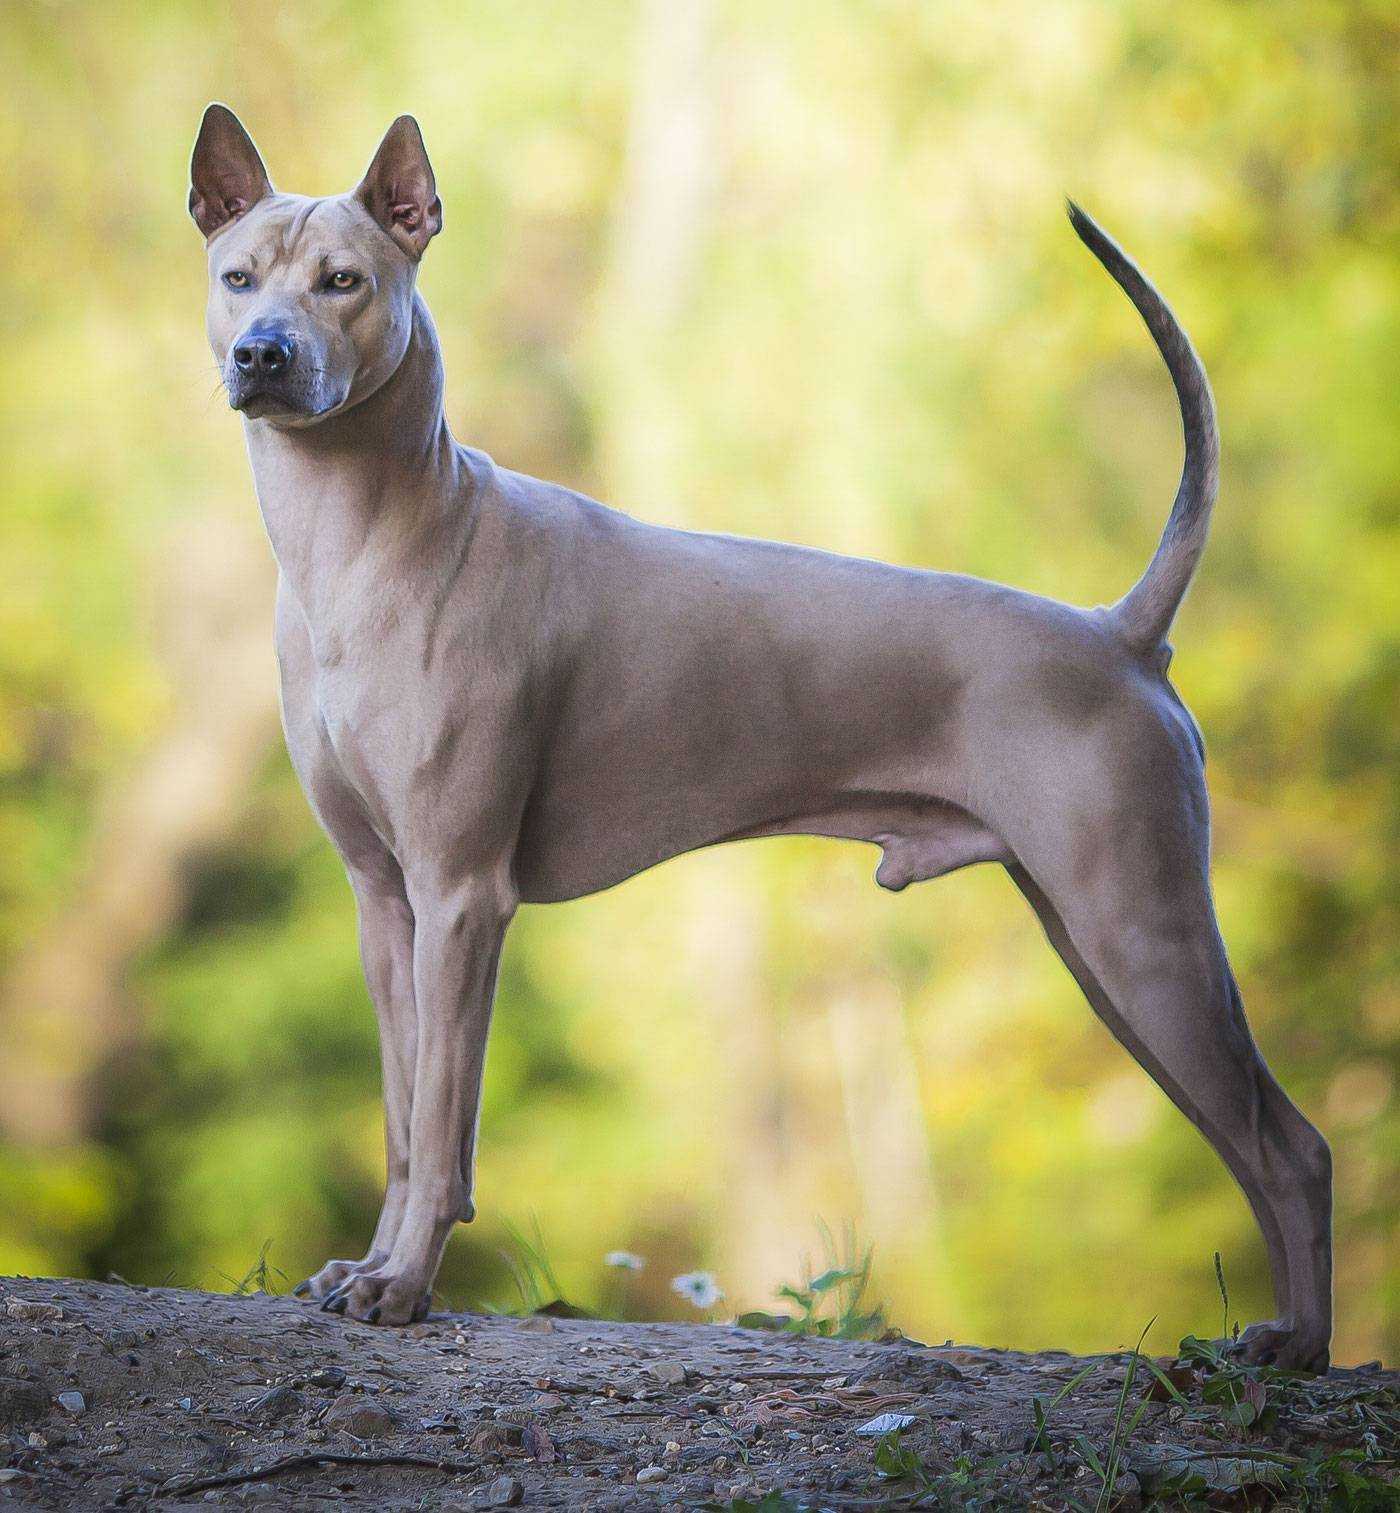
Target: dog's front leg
386,947
457,945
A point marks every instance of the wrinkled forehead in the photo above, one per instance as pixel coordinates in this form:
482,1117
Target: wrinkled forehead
293,229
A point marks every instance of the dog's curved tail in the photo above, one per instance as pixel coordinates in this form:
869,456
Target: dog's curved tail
1144,614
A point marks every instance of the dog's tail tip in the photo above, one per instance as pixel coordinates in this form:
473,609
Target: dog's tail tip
1084,223
1145,613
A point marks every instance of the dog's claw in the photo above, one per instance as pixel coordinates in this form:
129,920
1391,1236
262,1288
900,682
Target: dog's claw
372,1317
1277,1343
301,1290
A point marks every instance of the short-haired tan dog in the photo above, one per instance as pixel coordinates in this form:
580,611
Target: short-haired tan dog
495,691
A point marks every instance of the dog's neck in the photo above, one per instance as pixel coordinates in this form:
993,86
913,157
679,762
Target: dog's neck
360,491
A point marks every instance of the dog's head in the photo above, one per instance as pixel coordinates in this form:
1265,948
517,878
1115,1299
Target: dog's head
310,300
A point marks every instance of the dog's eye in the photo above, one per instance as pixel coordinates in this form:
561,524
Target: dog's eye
343,280
235,278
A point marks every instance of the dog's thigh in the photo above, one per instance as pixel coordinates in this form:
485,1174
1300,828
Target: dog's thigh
1126,901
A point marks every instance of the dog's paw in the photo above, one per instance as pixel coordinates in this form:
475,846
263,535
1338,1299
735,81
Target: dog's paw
379,1297
1282,1344
332,1276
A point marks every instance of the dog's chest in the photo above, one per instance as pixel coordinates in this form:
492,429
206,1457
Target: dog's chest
372,705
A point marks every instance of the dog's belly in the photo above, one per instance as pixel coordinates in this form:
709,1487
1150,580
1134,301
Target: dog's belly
731,690
596,848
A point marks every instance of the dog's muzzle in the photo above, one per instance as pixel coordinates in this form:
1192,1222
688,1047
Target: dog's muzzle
263,374
264,354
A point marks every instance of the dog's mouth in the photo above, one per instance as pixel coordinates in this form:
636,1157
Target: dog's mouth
259,404
276,402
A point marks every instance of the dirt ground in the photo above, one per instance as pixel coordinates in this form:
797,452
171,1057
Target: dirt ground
114,1396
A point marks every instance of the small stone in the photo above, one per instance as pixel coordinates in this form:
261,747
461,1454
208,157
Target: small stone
357,1416
275,1403
885,1423
537,1444
514,1413
332,1378
649,1474
187,1403
669,1373
72,1402
11,1474
490,1439
1127,1492
537,1323
25,1312
504,1492
37,1441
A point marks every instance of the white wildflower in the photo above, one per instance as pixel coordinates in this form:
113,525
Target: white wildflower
698,1288
624,1260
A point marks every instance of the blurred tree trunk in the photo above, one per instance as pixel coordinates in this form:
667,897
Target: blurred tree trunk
658,236
63,1009
668,181
775,1107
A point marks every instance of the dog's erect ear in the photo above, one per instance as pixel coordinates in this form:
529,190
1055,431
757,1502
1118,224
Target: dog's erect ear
227,177
399,190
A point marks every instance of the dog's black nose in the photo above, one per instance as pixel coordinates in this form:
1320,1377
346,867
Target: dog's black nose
264,352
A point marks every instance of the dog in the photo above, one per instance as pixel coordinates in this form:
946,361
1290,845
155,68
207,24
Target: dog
497,691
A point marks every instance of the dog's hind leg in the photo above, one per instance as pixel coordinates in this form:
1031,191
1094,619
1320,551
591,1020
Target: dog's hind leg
1157,974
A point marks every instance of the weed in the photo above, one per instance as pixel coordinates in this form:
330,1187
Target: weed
533,1275
1042,1411
1225,1330
1121,1432
258,1276
831,1304
769,1502
965,1485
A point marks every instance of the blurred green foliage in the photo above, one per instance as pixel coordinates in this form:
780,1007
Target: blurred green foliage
884,339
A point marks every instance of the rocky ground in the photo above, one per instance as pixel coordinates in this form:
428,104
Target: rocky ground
127,1397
